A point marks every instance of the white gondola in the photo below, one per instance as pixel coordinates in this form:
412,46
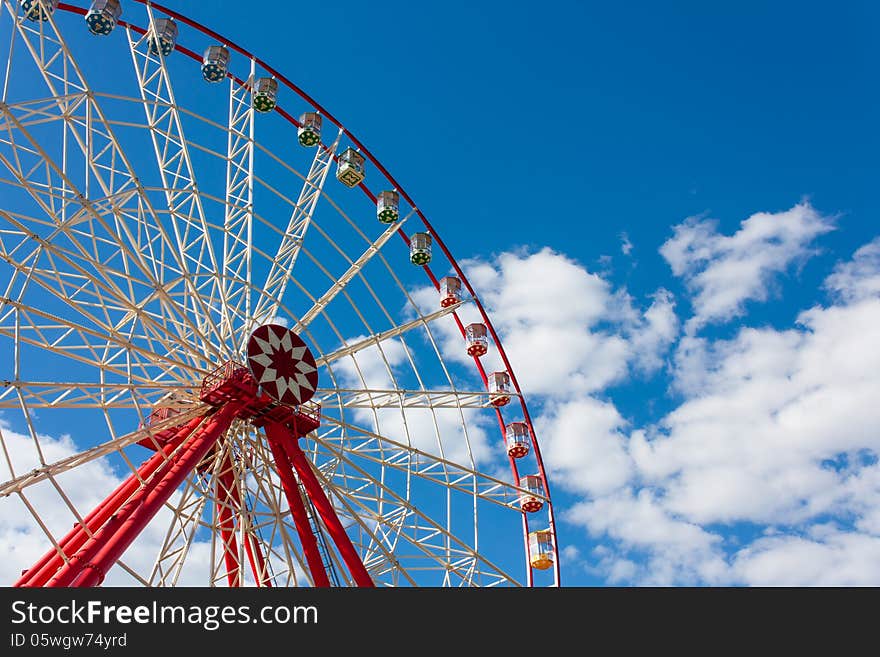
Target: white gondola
517,437
499,388
39,10
309,131
477,339
163,36
388,206
215,63
351,171
103,16
541,549
531,501
450,291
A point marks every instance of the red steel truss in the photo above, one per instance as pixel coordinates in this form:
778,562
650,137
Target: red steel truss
85,555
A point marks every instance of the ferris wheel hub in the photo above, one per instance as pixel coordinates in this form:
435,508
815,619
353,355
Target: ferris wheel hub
282,364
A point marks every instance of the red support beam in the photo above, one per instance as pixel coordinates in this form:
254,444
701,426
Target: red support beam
49,564
109,543
277,435
257,561
251,544
321,503
227,503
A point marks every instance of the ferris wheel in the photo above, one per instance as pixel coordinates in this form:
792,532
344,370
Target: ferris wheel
225,357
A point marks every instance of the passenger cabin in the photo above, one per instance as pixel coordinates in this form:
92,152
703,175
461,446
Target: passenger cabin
388,207
265,94
163,36
450,291
517,436
420,249
350,170
102,16
38,10
215,63
309,131
477,340
499,388
531,501
541,549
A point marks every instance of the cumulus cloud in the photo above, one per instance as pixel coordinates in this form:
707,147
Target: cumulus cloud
568,331
776,429
768,411
833,558
673,550
858,278
584,445
726,271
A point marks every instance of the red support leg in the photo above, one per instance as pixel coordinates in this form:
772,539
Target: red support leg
297,508
251,544
108,544
48,566
321,503
226,495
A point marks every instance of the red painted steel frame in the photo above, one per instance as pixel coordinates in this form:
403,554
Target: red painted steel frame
46,567
437,239
297,508
224,485
90,565
251,545
279,434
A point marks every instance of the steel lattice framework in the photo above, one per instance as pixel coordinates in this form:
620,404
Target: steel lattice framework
143,238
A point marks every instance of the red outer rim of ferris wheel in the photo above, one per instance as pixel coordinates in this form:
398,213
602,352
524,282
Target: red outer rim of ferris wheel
439,241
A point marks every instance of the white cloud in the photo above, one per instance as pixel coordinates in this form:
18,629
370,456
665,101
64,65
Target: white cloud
571,553
725,272
777,429
567,331
626,246
840,558
650,338
858,278
677,551
583,444
763,417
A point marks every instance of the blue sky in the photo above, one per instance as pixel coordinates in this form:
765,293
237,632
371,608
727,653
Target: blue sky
677,199
566,127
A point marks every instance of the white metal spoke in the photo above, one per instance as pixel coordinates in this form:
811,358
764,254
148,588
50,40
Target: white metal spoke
88,345
421,530
178,177
379,338
269,503
238,222
179,537
105,160
91,238
431,467
352,271
397,398
45,394
294,235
